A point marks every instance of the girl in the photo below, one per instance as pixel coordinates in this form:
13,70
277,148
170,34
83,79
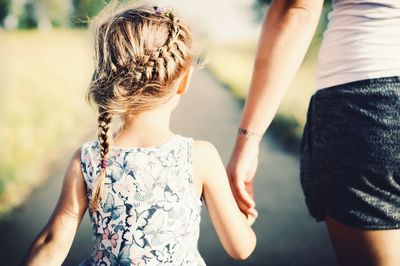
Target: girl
143,185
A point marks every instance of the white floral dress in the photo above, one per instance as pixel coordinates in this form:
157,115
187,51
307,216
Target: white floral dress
150,214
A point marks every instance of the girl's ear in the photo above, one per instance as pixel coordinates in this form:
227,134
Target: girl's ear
185,81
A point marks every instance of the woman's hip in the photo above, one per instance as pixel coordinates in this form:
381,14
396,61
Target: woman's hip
351,151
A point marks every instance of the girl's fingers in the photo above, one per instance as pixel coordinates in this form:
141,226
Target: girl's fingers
244,196
252,215
252,212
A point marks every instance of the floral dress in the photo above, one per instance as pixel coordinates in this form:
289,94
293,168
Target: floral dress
149,213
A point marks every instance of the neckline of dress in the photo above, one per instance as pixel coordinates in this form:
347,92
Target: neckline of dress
154,147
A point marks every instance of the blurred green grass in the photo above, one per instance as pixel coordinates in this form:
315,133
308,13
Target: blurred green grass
43,113
232,64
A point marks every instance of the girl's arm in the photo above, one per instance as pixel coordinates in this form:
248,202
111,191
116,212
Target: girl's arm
286,35
232,226
52,245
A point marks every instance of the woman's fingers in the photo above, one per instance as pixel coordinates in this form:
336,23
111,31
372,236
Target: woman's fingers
242,188
250,188
241,170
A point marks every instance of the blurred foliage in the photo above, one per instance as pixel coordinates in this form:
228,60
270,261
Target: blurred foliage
4,8
28,18
28,14
86,9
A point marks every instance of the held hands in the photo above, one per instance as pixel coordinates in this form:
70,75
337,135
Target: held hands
241,170
251,216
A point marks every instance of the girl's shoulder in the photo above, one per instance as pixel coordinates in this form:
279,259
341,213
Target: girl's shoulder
89,151
204,148
206,158
89,145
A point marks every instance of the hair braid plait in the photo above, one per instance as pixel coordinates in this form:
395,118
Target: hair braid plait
104,140
174,52
174,30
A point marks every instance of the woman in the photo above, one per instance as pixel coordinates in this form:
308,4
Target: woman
351,144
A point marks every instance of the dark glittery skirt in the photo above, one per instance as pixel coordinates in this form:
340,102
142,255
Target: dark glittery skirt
350,154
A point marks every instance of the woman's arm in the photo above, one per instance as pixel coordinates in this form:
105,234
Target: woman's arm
52,245
286,35
232,226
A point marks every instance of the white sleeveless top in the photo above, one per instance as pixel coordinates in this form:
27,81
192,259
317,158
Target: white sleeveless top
150,214
362,41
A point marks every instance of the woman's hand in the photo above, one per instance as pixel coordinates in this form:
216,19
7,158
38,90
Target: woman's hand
241,170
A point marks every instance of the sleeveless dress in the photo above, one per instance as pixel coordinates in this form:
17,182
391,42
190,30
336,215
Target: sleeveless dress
149,213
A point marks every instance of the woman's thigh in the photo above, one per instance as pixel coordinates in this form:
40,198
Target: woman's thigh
356,247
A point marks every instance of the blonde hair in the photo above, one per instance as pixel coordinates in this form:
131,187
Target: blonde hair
139,54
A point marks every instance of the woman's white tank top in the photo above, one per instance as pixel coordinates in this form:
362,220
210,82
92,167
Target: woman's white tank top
362,41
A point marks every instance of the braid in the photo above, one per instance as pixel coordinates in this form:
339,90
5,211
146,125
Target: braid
139,54
104,146
176,53
161,64
174,30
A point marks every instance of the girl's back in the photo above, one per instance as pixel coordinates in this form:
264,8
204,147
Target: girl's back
151,214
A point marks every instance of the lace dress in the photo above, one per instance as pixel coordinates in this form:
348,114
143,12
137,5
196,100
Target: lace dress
149,214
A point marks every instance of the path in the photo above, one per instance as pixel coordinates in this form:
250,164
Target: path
286,234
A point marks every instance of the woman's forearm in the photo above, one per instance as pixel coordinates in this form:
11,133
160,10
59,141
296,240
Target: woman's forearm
286,35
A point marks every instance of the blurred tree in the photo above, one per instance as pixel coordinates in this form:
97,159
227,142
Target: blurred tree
53,13
84,10
4,8
28,18
42,14
45,14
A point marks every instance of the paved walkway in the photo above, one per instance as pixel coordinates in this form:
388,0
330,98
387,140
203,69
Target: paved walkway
286,234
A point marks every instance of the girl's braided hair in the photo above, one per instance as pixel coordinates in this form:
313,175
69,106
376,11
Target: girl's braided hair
139,55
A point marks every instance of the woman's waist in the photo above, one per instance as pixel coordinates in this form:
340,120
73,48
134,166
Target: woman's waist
354,58
358,32
360,43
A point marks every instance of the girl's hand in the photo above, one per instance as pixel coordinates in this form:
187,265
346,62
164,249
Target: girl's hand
232,225
252,215
241,170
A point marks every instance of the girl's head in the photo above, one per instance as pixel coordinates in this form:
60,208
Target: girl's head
140,55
